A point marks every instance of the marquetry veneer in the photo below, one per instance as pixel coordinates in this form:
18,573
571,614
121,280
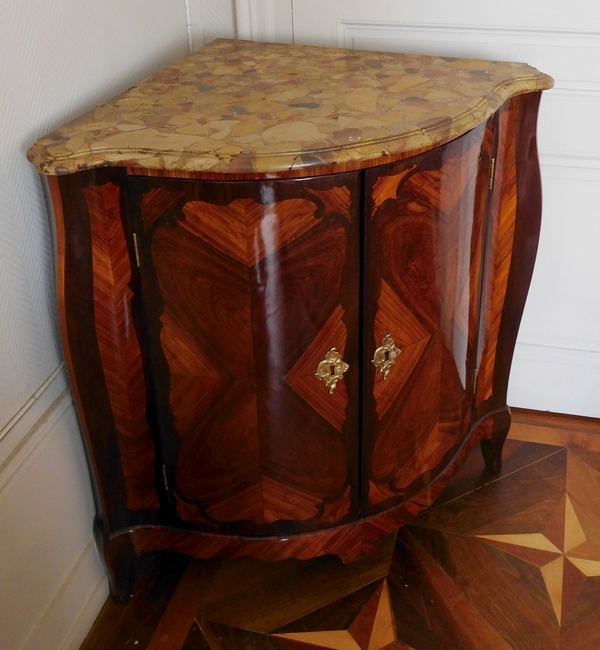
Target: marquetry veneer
289,300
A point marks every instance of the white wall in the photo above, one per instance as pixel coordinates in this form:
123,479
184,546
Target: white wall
57,59
212,19
557,358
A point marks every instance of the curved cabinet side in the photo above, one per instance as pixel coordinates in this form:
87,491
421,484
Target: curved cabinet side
97,293
512,247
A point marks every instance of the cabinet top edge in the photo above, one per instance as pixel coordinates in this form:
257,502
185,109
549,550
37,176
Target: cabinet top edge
244,107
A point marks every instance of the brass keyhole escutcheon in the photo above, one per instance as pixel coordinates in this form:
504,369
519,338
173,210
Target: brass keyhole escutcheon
386,355
331,369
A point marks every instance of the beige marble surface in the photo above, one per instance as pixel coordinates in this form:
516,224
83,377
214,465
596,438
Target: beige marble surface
245,107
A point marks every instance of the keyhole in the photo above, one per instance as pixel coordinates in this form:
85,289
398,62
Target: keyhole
332,370
387,355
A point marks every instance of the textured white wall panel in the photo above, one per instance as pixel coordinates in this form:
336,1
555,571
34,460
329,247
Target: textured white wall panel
315,20
46,547
57,59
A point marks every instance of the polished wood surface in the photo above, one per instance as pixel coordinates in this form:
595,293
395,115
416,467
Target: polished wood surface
118,344
425,235
248,287
507,561
349,541
195,315
516,222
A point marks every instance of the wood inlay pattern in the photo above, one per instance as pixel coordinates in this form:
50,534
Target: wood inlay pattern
235,275
118,344
425,262
349,541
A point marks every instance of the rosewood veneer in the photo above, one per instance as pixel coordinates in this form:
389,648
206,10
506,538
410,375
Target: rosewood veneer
290,283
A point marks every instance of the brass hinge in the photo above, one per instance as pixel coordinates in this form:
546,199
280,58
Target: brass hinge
492,167
137,251
165,478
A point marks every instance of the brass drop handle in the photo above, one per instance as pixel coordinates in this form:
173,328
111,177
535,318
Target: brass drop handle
331,369
386,355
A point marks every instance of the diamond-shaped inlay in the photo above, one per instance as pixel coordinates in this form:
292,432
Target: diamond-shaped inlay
372,629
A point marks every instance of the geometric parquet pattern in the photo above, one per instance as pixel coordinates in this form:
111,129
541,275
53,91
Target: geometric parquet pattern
500,562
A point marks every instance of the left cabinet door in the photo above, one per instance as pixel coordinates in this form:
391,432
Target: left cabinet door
247,286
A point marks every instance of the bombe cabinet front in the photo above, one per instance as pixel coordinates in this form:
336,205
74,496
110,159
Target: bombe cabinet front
201,312
287,354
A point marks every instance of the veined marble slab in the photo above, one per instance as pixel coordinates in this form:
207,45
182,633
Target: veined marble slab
236,107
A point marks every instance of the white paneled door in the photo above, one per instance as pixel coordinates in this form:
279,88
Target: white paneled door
557,360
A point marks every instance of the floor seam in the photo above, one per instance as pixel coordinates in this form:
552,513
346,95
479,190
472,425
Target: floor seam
500,478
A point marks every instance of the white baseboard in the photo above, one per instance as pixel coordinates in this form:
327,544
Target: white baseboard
559,380
87,616
75,606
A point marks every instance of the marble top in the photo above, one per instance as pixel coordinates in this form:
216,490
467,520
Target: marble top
246,107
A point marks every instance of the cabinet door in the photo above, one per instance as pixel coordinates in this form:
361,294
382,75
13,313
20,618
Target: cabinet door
247,287
424,233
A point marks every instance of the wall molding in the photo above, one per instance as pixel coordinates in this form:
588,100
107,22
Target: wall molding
188,20
570,167
37,406
33,444
571,160
462,37
576,90
34,422
545,35
39,488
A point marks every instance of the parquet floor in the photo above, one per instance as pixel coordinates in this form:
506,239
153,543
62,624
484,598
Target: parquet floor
501,562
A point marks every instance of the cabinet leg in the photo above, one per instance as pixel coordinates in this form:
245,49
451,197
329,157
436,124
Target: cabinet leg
119,559
492,448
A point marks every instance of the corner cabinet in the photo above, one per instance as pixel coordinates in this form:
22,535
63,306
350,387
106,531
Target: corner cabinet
289,362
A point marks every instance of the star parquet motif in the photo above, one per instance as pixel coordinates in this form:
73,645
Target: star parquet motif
556,552
531,539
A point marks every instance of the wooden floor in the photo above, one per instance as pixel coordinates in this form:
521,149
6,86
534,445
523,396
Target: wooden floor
500,562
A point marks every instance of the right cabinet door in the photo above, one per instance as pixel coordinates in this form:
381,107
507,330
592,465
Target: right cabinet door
425,232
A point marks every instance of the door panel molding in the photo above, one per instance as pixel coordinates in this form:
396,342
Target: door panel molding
542,47
264,20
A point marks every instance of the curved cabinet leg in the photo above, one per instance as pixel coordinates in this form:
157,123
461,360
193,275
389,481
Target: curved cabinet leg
512,250
492,448
119,559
